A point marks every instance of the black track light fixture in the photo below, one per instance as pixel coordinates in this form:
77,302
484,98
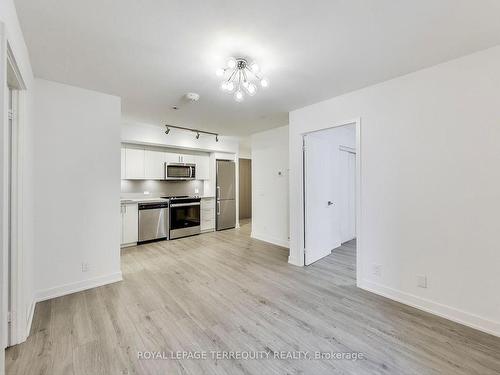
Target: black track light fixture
198,132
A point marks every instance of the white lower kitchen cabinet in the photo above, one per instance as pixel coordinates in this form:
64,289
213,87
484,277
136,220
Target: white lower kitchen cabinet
130,224
207,214
123,163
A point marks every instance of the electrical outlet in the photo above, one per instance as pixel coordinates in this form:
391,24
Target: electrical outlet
196,190
85,267
377,270
146,193
422,281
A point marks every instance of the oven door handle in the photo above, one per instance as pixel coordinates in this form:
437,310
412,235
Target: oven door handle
184,204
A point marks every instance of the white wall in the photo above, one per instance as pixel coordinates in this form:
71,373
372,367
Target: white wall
430,185
270,219
10,31
77,219
246,147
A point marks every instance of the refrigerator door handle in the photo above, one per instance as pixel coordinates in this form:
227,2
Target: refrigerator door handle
218,192
218,208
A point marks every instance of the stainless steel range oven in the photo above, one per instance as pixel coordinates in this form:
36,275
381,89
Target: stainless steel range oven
184,217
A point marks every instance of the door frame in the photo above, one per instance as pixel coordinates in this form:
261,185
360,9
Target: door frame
302,197
349,150
14,297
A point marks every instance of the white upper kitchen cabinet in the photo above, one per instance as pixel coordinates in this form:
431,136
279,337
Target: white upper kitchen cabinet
188,159
154,165
149,164
202,167
123,159
171,157
134,163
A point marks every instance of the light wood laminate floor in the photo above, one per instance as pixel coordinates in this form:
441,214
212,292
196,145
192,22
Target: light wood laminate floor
227,292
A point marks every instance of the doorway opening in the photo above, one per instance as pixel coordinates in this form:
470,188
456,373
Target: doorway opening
331,193
245,191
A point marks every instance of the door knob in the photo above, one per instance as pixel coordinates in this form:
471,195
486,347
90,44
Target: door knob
330,203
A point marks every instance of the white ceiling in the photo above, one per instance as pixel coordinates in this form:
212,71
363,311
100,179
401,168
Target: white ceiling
152,52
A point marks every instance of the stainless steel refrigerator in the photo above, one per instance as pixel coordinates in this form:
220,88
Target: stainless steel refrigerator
226,195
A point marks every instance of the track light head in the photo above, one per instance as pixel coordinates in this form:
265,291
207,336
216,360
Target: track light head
217,138
197,135
167,131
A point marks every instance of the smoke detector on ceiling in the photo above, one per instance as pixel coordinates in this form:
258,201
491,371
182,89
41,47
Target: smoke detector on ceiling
192,96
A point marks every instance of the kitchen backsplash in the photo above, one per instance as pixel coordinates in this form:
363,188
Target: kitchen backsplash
136,188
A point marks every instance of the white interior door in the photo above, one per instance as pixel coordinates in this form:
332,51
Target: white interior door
348,196
320,208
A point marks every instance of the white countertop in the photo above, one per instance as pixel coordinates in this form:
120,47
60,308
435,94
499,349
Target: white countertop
140,200
155,199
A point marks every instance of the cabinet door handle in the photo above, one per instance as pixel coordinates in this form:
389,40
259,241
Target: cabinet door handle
218,208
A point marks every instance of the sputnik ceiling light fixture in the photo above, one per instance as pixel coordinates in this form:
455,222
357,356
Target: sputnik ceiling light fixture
239,77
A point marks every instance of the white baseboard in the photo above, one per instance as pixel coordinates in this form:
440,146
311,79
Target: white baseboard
62,290
273,240
123,246
444,311
207,230
30,317
294,261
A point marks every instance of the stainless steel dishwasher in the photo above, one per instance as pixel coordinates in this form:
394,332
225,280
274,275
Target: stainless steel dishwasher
153,221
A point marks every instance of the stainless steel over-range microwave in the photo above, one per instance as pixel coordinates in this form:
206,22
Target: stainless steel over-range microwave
180,171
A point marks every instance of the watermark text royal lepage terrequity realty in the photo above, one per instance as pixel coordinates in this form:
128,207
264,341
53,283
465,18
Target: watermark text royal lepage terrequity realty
248,355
